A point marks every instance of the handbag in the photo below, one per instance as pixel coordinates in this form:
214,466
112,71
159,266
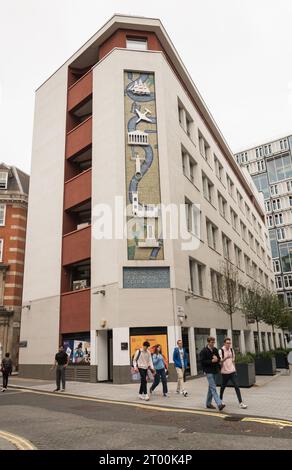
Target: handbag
135,375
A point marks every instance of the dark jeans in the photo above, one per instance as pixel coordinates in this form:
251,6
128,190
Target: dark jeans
233,379
143,386
5,376
160,374
60,374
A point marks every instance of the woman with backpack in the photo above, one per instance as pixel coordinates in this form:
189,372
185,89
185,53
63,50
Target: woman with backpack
228,371
6,369
160,366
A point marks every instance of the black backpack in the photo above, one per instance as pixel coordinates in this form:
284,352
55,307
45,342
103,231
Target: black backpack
139,354
222,352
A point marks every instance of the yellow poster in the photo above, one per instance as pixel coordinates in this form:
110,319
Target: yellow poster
137,342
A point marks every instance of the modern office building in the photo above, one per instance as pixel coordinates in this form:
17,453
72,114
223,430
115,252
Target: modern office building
14,185
122,124
270,165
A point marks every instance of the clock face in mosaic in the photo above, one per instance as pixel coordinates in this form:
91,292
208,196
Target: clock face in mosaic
145,241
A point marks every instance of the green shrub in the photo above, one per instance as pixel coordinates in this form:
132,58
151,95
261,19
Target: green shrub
244,358
265,355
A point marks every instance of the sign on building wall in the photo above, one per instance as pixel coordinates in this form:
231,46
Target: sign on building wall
144,232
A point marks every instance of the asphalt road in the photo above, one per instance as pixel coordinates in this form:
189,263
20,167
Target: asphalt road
57,422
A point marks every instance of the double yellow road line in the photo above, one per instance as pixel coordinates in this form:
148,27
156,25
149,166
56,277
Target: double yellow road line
19,442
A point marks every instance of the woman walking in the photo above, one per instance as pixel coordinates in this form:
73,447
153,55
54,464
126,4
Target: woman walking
160,366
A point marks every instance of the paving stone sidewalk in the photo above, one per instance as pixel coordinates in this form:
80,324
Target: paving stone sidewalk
271,397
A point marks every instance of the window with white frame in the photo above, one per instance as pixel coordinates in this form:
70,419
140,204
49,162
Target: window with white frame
279,282
3,179
270,220
137,44
204,147
261,165
247,264
277,204
279,220
259,152
239,199
287,278
289,186
216,282
243,231
276,266
192,217
268,149
2,214
281,234
274,189
222,204
218,168
196,276
283,144
189,125
238,255
226,246
247,211
234,219
212,234
230,186
290,201
289,299
268,206
1,249
208,188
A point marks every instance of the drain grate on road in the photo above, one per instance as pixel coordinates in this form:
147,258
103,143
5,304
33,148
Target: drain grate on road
233,418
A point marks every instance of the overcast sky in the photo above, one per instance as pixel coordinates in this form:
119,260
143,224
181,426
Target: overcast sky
238,53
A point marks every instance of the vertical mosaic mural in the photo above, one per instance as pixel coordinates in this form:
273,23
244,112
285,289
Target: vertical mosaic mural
145,241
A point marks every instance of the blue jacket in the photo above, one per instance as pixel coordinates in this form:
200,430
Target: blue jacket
158,361
177,360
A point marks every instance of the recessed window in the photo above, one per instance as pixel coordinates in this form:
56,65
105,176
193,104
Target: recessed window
1,250
2,214
137,44
3,179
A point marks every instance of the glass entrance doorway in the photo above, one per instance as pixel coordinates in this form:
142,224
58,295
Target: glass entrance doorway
201,335
221,335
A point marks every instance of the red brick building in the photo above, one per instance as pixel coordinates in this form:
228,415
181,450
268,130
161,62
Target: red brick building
14,185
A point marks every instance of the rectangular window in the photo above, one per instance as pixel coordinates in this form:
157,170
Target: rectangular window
239,199
189,125
216,281
268,206
218,168
290,201
283,144
222,204
2,214
247,211
212,234
289,186
192,217
279,282
208,188
277,204
270,220
238,255
261,165
243,231
289,299
137,44
234,219
1,249
230,186
274,189
204,147
3,179
247,264
196,276
287,281
226,246
276,266
281,234
279,219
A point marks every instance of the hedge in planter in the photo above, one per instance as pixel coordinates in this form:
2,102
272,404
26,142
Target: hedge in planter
265,363
245,369
281,358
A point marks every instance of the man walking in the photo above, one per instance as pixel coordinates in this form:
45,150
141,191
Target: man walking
228,370
210,361
142,361
61,362
180,360
6,369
